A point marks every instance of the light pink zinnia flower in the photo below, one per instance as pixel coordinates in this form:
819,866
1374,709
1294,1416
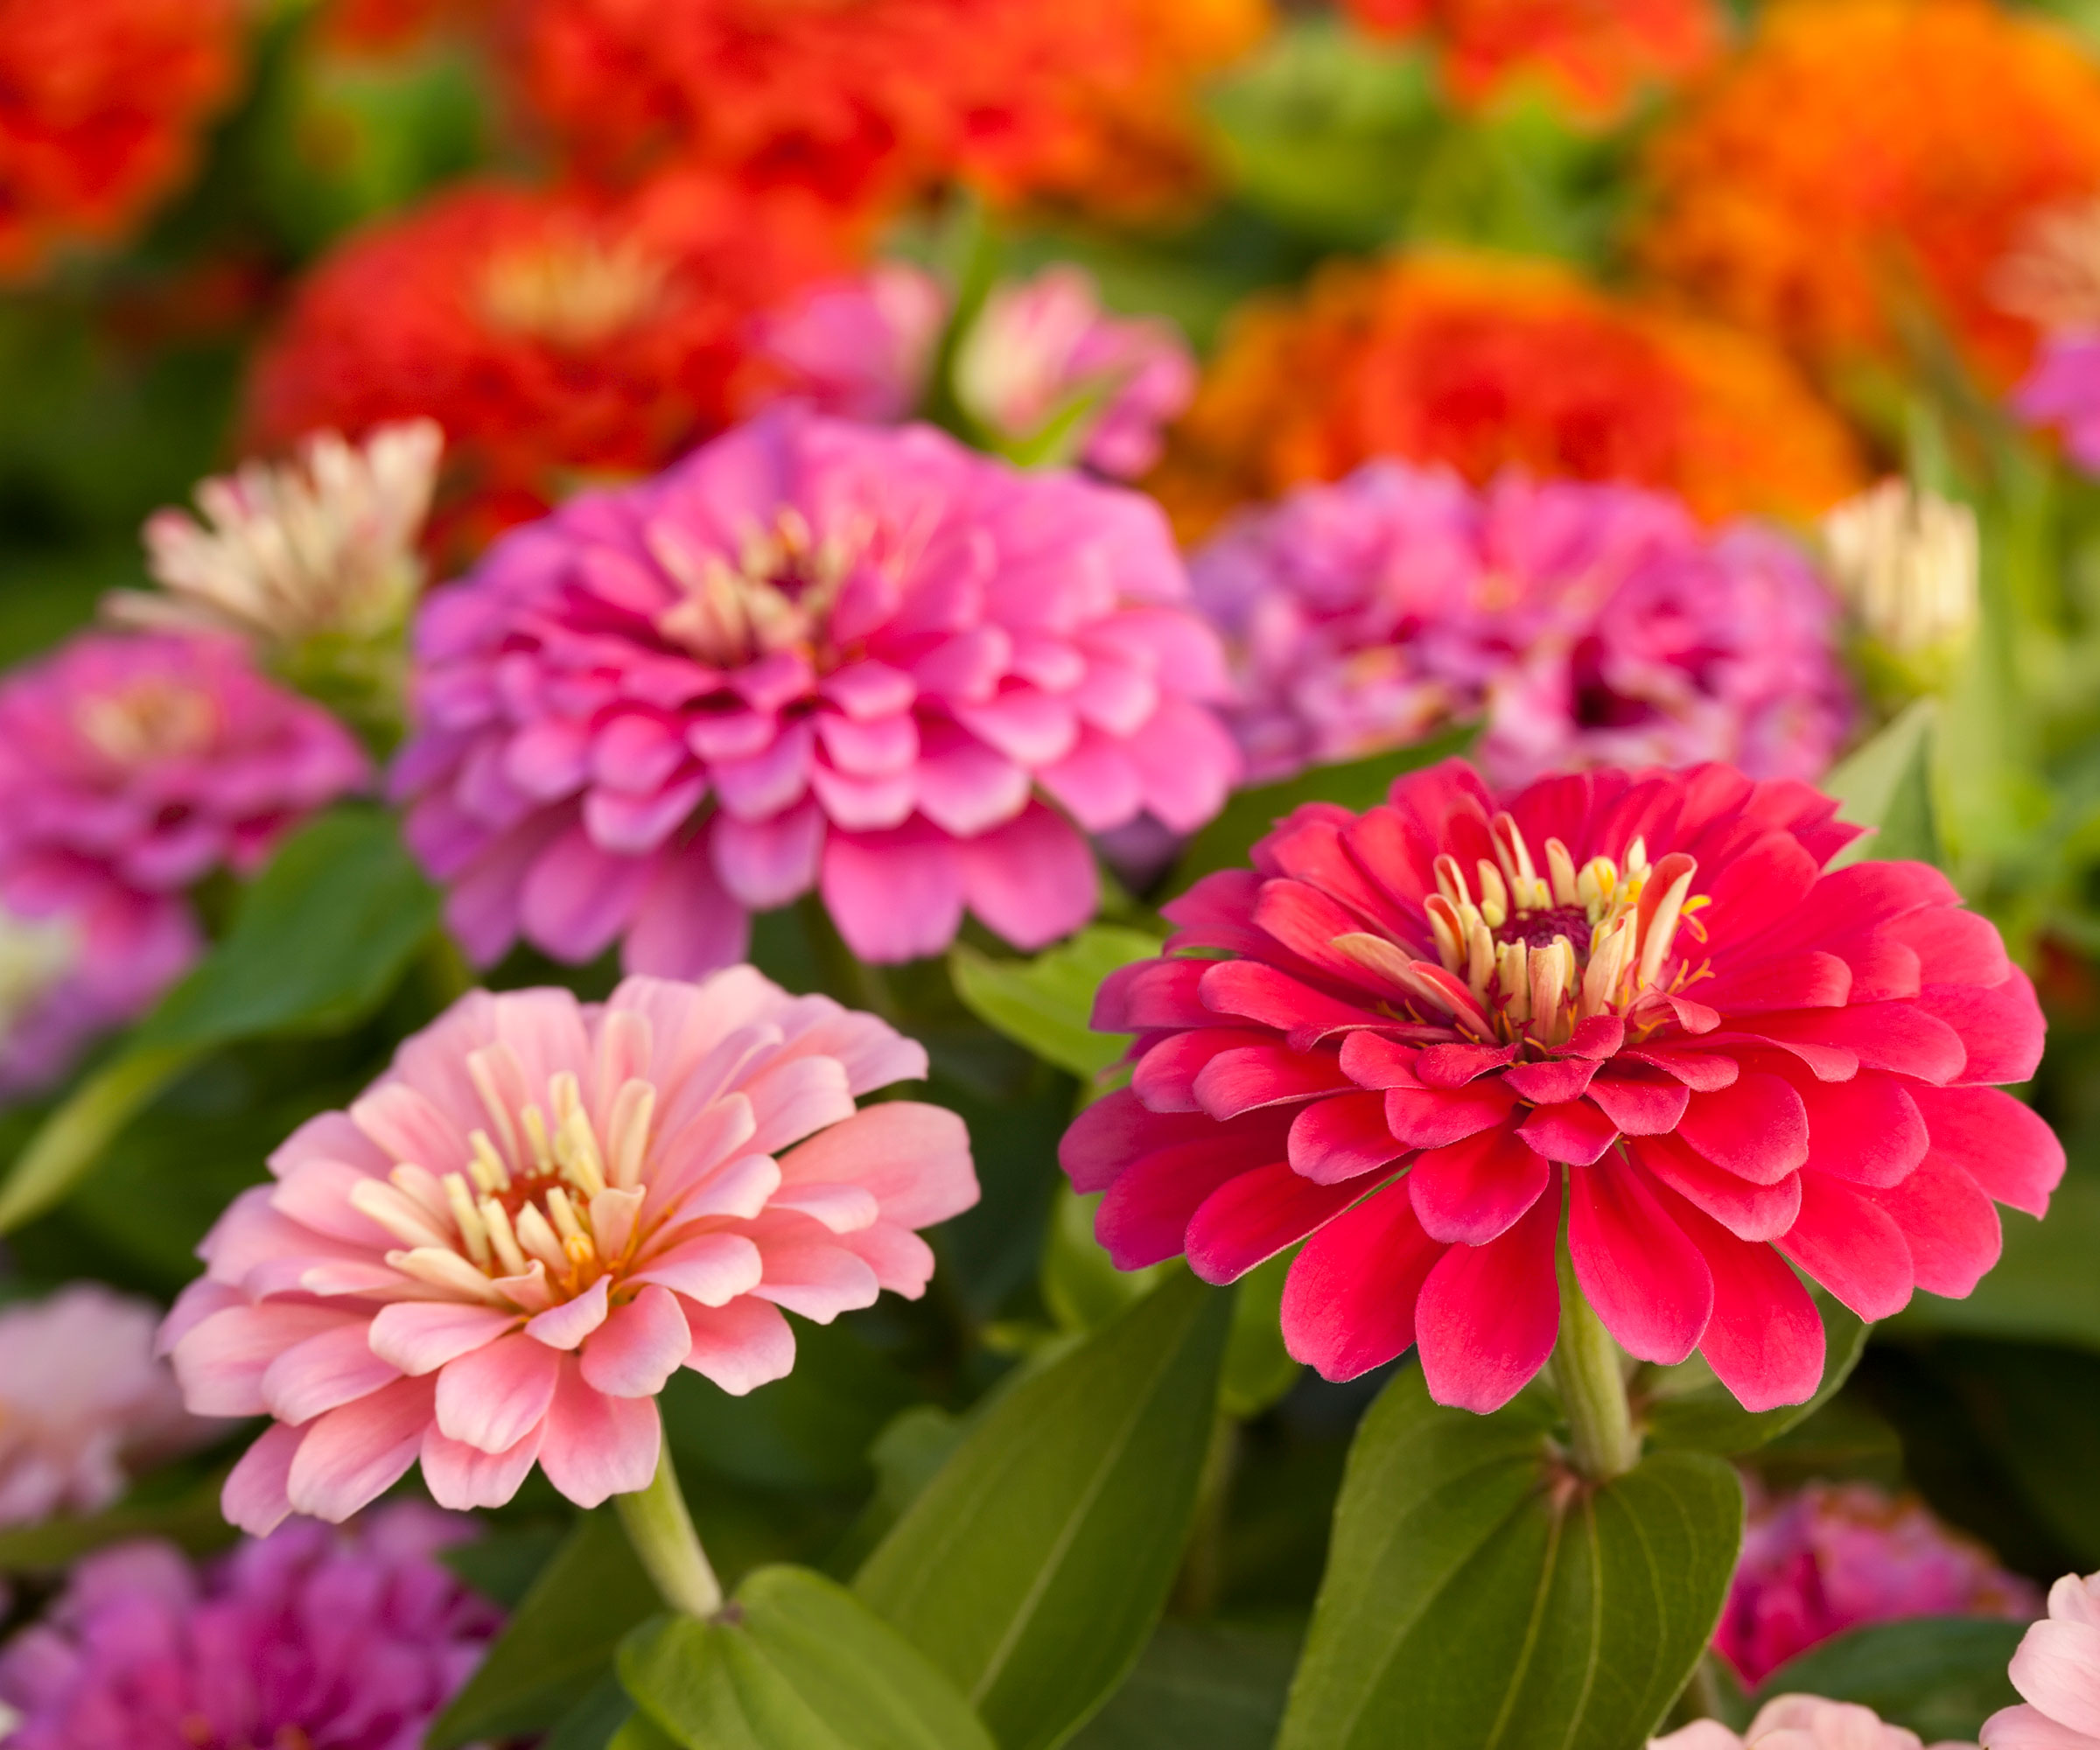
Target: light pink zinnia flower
860,348
502,1251
1044,348
813,653
310,1638
83,1401
1836,1555
1589,625
1798,1722
2057,1670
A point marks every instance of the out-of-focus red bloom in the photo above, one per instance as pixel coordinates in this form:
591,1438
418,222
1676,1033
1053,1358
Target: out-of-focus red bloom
1863,151
1592,55
100,105
1488,364
1411,1039
550,335
866,104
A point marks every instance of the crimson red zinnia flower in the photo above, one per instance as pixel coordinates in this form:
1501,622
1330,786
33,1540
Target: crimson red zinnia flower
1409,1035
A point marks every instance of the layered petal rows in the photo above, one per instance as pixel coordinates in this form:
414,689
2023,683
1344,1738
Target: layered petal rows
812,655
502,1251
1421,1039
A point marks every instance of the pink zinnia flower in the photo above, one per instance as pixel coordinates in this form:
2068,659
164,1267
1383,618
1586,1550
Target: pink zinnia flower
83,1402
312,1637
1410,1038
813,653
2063,391
1836,1555
1589,625
1042,347
860,348
2057,1670
502,1251
1798,1722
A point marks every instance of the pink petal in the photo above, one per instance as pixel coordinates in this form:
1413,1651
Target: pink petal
1765,1339
1255,1215
2057,1668
1750,1212
1473,1190
1247,1078
1032,880
1434,1118
1949,1225
794,1098
1576,1132
767,862
1641,1105
464,1477
913,1159
1548,1084
331,1368
2001,1028
492,1397
568,1322
420,1336
1332,1140
712,1269
2028,1728
1648,1283
597,1446
1867,1130
1999,1142
1757,1128
1489,1315
1844,1241
1114,1131
640,1347
577,898
686,925
1144,1217
741,1346
352,1456
254,1497
816,1279
894,895
1350,1298
221,1362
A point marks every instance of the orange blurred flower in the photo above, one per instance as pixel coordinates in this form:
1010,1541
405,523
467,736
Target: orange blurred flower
1862,146
1489,363
1592,55
550,335
101,102
1084,100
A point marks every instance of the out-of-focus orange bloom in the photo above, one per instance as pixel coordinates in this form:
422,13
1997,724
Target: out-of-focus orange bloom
1861,148
101,103
1592,55
551,337
380,26
1489,363
1081,100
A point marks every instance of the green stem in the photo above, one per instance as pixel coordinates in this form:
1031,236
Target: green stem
661,1532
1592,1387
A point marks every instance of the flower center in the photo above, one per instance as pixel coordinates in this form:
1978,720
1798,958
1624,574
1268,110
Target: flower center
776,596
149,719
571,292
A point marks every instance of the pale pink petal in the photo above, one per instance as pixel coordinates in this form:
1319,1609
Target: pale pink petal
914,1159
597,1446
2057,1668
816,1278
566,1325
492,1396
222,1360
712,1269
331,1368
791,1100
895,895
640,1347
352,1456
420,1336
254,1497
739,1346
463,1477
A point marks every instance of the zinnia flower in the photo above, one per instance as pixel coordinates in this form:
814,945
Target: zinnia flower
2057,1670
1411,1039
2064,391
1798,1722
1592,55
1978,115
82,956
100,104
504,1249
1589,625
1487,365
549,335
83,1402
860,348
311,1637
812,653
1833,1556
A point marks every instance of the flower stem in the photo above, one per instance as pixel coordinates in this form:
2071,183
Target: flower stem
661,1532
1592,1388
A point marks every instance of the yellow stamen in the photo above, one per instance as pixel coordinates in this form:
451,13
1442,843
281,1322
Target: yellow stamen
509,1254
474,1231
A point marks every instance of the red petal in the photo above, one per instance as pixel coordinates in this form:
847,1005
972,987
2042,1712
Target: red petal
1488,1315
1349,1299
1646,1280
1866,1130
1148,994
1954,946
1255,992
1849,1245
1144,1217
1306,922
1257,1076
1897,1036
1949,1225
1576,1132
1765,1340
1753,891
1475,1189
2001,1028
1114,1131
1599,1036
1453,1066
1317,853
1165,1077
1641,1105
1340,1138
1810,979
2001,1143
1251,1218
1548,1084
1751,1212
1701,1071
1371,1061
1758,1129
1882,967
1430,1117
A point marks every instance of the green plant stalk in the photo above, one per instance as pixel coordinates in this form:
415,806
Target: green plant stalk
73,1139
661,1532
1602,1438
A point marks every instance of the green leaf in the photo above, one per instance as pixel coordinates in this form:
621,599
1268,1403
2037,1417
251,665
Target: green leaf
559,1642
797,1663
1358,784
1032,1568
1048,1003
641,1732
1687,1406
1475,1595
1199,1683
1885,784
69,1142
1940,1675
1259,1369
1080,1285
596,1721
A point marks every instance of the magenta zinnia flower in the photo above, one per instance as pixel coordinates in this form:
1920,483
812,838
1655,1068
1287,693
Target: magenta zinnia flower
1410,1038
311,1637
1588,625
1834,1555
2057,1673
860,348
503,1249
2064,391
810,654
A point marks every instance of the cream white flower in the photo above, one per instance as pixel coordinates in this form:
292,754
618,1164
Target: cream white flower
1906,563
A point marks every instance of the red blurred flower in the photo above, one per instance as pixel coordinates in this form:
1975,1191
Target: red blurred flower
1406,1038
1592,55
548,334
100,105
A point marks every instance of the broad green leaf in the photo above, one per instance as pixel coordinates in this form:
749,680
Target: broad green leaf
641,1732
1033,1566
1476,1596
1885,784
1259,1369
1046,1004
1940,1675
1358,784
1687,1406
504,1561
797,1663
596,1721
1218,1687
1081,1286
559,1642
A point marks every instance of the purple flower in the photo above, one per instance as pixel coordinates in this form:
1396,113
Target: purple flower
811,654
313,1636
860,348
1589,625
2063,391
